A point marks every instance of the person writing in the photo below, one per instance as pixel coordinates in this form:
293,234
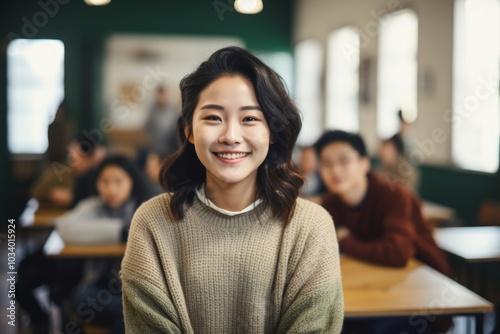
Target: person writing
231,248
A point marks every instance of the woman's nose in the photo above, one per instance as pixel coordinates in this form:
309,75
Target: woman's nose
231,134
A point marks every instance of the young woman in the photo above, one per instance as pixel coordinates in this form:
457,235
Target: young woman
101,219
230,248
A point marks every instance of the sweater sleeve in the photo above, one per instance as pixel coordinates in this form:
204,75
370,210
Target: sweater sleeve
84,225
395,246
146,310
313,299
147,304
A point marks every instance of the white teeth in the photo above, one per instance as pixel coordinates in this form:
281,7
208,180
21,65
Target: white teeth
231,155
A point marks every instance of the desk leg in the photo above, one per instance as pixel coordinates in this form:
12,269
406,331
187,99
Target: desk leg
479,323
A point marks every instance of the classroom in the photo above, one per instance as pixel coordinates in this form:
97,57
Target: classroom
146,144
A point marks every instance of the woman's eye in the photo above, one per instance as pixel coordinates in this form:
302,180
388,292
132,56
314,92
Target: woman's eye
212,118
250,119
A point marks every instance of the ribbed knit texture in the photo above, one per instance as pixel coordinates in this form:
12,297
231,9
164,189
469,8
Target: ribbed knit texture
213,273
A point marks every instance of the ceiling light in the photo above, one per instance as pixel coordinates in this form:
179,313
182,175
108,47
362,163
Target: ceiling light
248,6
97,2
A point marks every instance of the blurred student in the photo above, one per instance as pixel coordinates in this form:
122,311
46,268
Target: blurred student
375,221
84,154
395,168
52,187
308,167
60,132
101,219
231,249
406,133
161,124
150,162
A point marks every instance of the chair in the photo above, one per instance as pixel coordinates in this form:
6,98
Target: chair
489,214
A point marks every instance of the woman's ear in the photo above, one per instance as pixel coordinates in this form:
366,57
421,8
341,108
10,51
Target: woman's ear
188,135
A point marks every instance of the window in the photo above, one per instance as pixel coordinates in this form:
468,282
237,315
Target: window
281,63
35,88
475,121
342,81
397,71
309,60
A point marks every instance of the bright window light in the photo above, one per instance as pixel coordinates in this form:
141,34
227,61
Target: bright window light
397,71
35,88
342,81
475,122
308,69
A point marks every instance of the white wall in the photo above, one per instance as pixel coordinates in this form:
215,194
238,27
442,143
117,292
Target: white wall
315,19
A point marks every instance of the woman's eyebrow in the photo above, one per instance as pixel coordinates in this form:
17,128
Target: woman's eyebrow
251,108
212,106
218,107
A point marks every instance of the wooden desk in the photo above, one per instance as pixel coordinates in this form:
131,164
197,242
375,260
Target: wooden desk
42,218
471,244
475,255
55,247
377,291
435,213
47,217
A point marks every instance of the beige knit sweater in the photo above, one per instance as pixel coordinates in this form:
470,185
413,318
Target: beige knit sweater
214,273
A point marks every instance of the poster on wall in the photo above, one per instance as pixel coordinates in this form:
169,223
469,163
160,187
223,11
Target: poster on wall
135,67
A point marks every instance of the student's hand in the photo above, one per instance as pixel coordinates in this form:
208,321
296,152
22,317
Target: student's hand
60,195
342,233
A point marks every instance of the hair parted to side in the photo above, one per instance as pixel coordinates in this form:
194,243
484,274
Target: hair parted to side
278,181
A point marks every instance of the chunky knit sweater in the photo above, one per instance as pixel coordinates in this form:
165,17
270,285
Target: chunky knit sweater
248,273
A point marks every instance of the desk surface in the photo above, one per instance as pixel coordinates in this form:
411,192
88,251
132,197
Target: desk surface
55,247
435,213
42,218
373,291
472,244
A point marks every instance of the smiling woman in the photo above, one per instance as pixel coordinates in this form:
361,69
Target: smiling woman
232,140
230,248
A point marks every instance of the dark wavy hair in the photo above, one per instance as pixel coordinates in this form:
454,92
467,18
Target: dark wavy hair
334,136
278,181
141,190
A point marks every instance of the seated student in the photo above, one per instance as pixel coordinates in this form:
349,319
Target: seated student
376,220
105,218
395,167
308,167
84,154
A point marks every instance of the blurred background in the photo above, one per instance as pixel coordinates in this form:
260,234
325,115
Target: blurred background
426,71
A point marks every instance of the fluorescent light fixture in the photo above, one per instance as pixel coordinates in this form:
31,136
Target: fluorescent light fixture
97,2
248,6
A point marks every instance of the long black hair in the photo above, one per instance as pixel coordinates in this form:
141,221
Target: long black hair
141,190
278,181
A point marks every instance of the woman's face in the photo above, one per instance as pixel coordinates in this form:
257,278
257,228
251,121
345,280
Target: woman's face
229,132
114,186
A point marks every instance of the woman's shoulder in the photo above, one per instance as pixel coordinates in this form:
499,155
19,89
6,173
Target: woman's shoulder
156,208
311,214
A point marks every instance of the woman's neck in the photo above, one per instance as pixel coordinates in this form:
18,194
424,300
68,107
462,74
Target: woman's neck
231,196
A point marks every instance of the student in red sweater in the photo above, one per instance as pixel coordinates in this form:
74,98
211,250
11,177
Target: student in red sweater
377,220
